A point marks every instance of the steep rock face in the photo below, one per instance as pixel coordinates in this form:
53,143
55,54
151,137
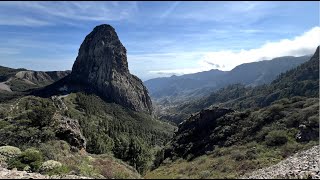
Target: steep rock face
193,136
102,65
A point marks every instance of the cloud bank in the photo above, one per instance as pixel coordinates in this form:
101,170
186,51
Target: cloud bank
226,60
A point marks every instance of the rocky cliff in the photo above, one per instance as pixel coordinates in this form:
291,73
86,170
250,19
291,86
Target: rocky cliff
102,65
194,134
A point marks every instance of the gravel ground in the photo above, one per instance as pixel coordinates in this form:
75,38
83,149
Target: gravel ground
302,165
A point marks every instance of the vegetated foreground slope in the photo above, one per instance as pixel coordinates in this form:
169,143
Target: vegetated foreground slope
85,123
267,124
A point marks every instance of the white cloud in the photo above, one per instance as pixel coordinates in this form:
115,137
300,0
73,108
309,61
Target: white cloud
227,59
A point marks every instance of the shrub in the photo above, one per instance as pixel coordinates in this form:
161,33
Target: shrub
238,155
29,157
204,174
9,151
3,159
49,165
276,138
3,124
59,171
289,149
41,116
251,154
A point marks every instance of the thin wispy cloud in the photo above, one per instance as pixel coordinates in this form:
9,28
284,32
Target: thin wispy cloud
170,9
48,13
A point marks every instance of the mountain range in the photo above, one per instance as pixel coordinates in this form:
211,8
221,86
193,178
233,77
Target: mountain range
177,89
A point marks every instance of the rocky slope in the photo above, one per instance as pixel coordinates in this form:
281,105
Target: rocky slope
12,80
102,64
193,136
302,165
14,174
39,77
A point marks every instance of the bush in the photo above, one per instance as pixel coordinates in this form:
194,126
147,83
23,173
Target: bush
29,157
276,138
9,151
290,148
238,155
59,170
49,165
41,116
3,124
3,159
204,174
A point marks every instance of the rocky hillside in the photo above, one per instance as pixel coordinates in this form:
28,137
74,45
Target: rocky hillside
20,82
303,165
41,78
264,126
21,79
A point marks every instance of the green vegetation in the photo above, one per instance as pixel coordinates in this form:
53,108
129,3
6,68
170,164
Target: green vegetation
227,162
9,151
30,159
108,128
27,122
57,158
129,135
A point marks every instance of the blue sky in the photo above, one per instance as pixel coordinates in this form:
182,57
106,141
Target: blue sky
161,38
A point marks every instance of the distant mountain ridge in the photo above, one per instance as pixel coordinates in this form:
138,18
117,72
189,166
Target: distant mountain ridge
302,80
251,74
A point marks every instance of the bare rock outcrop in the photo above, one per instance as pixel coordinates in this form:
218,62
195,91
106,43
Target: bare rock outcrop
102,65
69,130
